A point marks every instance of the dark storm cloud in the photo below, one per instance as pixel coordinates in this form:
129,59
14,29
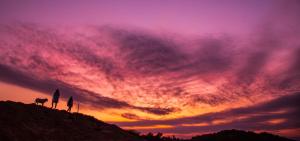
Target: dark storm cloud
131,116
146,53
256,117
157,111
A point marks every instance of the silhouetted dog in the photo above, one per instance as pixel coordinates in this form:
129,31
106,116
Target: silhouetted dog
40,100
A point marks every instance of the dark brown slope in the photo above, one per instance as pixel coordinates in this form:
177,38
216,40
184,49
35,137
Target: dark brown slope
28,122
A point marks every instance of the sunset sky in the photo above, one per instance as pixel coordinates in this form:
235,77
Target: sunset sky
181,67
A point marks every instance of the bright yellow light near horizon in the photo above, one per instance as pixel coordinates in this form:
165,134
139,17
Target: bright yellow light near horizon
107,115
25,95
19,94
196,124
147,127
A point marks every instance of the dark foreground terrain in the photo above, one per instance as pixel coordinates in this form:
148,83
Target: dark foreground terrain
28,122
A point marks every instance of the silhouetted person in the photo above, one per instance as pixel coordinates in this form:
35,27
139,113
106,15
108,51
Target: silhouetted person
70,104
55,98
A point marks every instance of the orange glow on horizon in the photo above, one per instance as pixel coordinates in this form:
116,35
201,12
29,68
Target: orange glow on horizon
276,121
196,124
147,127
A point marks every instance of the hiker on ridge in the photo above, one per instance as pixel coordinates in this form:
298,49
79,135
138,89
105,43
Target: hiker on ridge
70,104
55,98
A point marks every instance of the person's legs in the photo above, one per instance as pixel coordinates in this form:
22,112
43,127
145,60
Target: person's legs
52,105
55,104
69,108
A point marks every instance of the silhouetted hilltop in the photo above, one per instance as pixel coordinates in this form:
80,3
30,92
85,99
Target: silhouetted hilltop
238,135
28,122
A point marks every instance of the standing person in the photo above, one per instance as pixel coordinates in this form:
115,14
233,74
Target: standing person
55,98
70,104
